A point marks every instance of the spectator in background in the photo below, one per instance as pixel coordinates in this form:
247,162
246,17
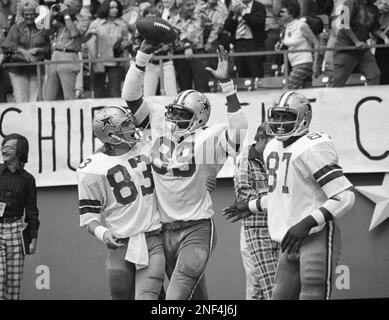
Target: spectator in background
316,7
153,69
190,25
167,8
7,13
362,19
26,43
272,27
215,14
334,23
259,252
109,39
382,54
298,36
246,23
69,27
130,14
4,78
17,197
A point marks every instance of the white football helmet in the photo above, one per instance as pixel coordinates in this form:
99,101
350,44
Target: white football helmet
189,111
115,125
298,113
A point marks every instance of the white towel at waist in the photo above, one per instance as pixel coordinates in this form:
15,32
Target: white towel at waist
137,251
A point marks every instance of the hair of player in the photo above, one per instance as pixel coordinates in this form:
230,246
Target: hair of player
22,146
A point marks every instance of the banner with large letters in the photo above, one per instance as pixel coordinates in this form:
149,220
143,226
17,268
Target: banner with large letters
60,132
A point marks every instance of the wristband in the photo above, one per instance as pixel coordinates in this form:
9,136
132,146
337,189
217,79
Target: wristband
253,207
66,17
142,59
99,232
228,88
319,217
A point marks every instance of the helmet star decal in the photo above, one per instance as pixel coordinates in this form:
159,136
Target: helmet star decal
380,196
107,121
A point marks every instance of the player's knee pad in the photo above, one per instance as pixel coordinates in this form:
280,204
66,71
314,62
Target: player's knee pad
313,268
192,262
313,276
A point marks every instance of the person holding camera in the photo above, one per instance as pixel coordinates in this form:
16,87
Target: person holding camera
109,39
69,27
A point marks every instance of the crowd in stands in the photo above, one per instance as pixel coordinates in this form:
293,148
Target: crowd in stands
70,30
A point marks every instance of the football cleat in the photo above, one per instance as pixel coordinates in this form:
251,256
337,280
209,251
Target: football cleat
290,117
115,125
189,111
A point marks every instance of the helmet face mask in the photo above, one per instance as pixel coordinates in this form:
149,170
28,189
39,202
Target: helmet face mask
180,118
290,117
115,125
189,111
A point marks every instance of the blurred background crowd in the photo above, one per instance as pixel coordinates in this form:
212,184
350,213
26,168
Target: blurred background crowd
68,31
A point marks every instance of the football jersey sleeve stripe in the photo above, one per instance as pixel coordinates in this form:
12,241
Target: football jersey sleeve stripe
325,170
88,202
332,176
85,210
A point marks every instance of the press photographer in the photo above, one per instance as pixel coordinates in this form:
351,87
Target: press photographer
69,26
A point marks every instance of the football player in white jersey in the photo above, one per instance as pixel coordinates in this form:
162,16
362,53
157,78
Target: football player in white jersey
307,193
184,153
117,204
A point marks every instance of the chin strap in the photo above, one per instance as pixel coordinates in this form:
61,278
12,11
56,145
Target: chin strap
122,140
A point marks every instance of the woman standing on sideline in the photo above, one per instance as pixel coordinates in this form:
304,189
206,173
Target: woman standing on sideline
17,196
298,36
109,39
26,43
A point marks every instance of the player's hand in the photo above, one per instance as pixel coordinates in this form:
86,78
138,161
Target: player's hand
297,234
222,72
237,211
148,47
111,241
32,247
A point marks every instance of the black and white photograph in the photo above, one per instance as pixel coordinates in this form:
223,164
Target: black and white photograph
213,151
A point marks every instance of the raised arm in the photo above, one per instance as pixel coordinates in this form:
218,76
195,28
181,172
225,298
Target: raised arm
236,117
133,84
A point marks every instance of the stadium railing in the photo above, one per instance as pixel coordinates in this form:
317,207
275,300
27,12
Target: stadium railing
263,81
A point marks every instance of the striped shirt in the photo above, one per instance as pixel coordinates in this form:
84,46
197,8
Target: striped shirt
250,182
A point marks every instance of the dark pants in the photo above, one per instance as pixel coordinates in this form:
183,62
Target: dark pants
382,58
346,61
249,67
191,71
112,88
5,85
273,36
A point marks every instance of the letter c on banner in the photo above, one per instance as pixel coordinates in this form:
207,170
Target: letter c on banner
2,118
357,130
